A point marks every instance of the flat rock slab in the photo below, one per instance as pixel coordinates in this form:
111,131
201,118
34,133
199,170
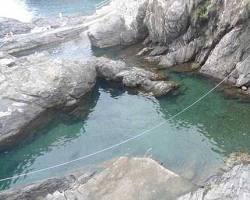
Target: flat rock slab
123,179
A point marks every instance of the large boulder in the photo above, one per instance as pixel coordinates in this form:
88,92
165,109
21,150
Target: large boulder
124,179
122,27
32,85
115,32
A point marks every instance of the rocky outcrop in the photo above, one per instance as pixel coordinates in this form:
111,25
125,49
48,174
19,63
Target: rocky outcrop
47,32
121,28
123,179
13,26
114,33
213,34
234,184
133,77
32,85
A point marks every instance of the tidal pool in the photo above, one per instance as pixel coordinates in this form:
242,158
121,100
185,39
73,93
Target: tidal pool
195,144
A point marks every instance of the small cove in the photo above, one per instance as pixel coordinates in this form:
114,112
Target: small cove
195,144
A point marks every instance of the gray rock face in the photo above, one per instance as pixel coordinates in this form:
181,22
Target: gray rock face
166,20
133,77
114,33
46,32
233,185
11,25
213,34
31,85
123,179
227,55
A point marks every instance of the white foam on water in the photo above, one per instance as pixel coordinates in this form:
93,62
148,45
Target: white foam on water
16,9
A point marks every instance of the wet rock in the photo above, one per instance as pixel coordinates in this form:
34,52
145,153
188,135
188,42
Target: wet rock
182,55
214,34
244,88
123,179
13,26
35,84
38,191
233,184
159,50
144,51
133,77
20,43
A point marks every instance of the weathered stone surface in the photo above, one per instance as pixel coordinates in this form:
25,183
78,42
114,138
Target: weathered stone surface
114,33
38,191
124,26
14,26
166,20
182,55
48,32
133,77
232,185
123,179
34,84
214,34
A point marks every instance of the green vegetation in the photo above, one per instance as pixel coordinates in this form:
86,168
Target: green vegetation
202,10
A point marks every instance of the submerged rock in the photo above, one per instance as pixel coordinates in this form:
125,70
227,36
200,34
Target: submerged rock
123,179
234,184
32,85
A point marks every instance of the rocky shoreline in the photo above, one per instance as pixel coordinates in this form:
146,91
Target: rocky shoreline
139,178
212,35
177,31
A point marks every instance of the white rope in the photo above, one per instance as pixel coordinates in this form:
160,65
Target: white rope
124,141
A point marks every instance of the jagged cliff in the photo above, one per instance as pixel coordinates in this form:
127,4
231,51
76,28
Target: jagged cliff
212,34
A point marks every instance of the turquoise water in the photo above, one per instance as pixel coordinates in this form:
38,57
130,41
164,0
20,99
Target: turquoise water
51,8
195,144
25,10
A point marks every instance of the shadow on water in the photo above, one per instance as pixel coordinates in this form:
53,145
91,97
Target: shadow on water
17,160
194,144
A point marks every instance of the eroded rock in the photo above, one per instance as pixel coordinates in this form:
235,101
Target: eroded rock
13,26
133,77
34,84
234,184
123,179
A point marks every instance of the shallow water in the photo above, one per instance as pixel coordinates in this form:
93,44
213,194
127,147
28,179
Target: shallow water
25,10
195,144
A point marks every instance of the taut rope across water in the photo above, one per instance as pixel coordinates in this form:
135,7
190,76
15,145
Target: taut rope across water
148,131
